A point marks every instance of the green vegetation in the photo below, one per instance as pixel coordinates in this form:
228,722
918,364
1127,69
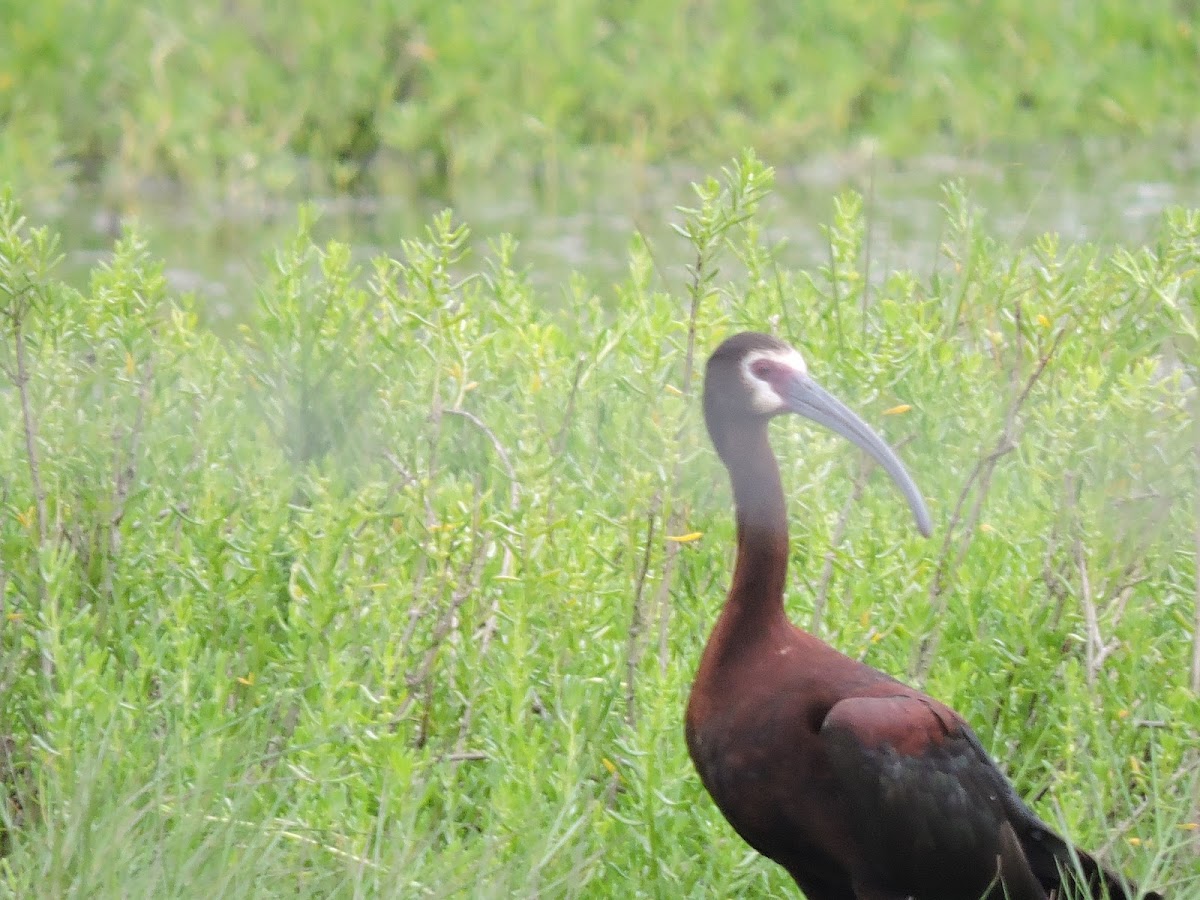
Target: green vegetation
307,94
399,590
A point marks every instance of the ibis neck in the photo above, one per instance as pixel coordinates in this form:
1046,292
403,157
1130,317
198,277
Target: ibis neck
760,571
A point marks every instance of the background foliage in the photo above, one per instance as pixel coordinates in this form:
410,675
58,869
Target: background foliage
251,92
400,589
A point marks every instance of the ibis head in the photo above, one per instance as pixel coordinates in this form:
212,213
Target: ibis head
754,377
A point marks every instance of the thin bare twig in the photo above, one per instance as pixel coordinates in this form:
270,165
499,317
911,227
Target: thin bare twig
1095,648
514,489
1112,598
127,472
124,474
485,635
3,570
435,436
1187,769
868,227
406,476
485,632
866,464
663,595
418,681
1108,602
559,444
419,607
833,287
1196,539
676,519
1057,585
465,756
963,526
22,377
637,622
286,831
280,736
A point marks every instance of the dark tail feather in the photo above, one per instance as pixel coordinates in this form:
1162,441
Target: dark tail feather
1056,862
1102,882
1016,877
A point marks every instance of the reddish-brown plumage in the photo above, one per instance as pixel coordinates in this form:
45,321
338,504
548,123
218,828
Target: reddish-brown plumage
860,786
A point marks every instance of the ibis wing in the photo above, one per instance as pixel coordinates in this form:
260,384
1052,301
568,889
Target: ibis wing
921,793
923,796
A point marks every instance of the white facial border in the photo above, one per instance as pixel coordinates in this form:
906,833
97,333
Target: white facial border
763,398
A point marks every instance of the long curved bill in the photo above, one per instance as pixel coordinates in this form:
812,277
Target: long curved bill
807,398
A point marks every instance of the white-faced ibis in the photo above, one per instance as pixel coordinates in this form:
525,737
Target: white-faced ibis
861,787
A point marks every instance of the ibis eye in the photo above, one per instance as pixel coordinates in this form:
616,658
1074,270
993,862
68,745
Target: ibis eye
763,369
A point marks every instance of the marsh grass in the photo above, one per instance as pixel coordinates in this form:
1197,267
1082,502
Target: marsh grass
364,600
250,93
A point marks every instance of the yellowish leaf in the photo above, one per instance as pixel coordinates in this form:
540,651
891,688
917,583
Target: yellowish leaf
420,50
898,410
685,538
